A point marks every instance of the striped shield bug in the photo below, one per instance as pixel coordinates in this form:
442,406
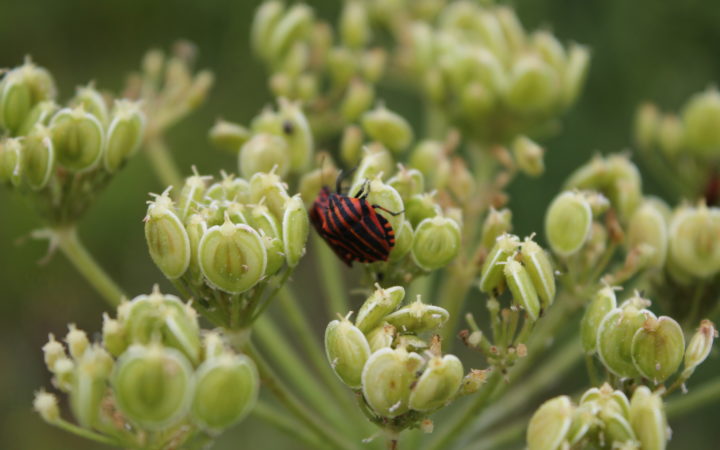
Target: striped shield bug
351,225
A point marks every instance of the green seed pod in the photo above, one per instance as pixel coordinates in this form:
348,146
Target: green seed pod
528,156
347,351
387,378
232,257
607,399
616,428
268,121
294,26
381,337
124,135
625,188
408,182
387,197
78,139
213,345
40,114
575,73
153,386
694,245
295,62
647,126
307,87
231,189
342,66
373,63
602,303
671,135
388,128
476,101
228,136
592,175
491,274
699,347
614,339
533,86
167,239
648,228
434,85
429,158
351,145
538,266
268,186
355,31
38,158
46,405
91,374
266,19
701,117
550,49
647,417
113,336
421,207
497,223
191,196
380,303
358,99
275,254
521,287
11,161
313,181
404,239
550,424
298,135
438,384
418,317
295,229
583,421
15,101
91,101
262,153
568,222
436,242
658,348
226,390
511,26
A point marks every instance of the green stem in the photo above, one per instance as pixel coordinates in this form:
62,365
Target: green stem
331,279
163,163
75,251
503,437
85,433
454,290
283,422
706,393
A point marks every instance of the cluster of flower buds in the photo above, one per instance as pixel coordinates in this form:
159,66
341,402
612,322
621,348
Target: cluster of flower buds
632,342
386,356
279,139
62,155
223,243
154,371
604,419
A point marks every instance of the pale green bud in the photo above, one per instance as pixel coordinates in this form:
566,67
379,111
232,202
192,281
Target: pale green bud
408,182
528,156
313,181
358,99
592,175
388,128
230,188
568,222
213,345
191,195
429,158
476,101
647,417
511,26
497,223
351,145
196,228
420,36
89,386
550,424
262,153
232,257
381,337
282,85
372,64
113,336
269,186
342,66
295,229
521,287
52,352
491,33
576,69
699,346
38,158
297,133
658,348
386,380
491,274
268,121
404,239
438,384
607,399
46,404
461,182
614,338
264,23
616,428
387,197
625,189
694,245
226,390
40,114
533,86
647,125
228,136
347,350
153,386
701,117
167,239
307,87
540,269
21,89
78,139
295,61
436,242
602,303
64,371
124,135
549,48
418,317
380,303
583,420
11,160
355,31
421,207
434,85
77,341
92,101
648,228
671,135
295,25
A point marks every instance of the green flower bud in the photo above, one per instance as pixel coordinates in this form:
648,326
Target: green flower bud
540,269
268,121
342,66
528,156
295,229
295,61
647,417
647,228
404,239
228,136
607,399
313,181
408,182
438,384
191,195
231,189
53,351
380,303
40,114
701,117
351,145
388,128
658,348
436,242
89,386
347,350
307,87
592,175
418,317
64,371
297,133
275,254
21,89
266,19
521,287
568,223
166,237
295,25
77,341
511,26
550,424
421,207
575,73
533,86
373,63
429,158
387,378
269,186
226,390
647,125
11,159
124,135
38,158
232,257
671,135
388,198
152,385
358,99
602,303
497,223
699,346
549,48
614,338
92,101
355,31
616,427
693,240
113,336
381,337
583,420
262,153
625,189
46,404
491,274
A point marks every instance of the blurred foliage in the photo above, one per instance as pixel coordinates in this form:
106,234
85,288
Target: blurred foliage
642,50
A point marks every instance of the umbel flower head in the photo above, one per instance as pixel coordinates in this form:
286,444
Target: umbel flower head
223,243
153,371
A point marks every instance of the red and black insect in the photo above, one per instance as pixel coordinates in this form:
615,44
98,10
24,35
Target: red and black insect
352,226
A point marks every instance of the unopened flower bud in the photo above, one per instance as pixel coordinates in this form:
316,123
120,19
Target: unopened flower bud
351,145
358,99
616,427
567,223
312,182
343,65
294,25
91,101
533,86
658,348
53,351
549,48
381,337
625,188
430,159
213,345
297,133
694,243
78,139
378,305
438,384
528,156
77,341
90,384
521,287
497,223
191,194
701,117
540,269
306,87
266,19
408,182
228,136
22,88
46,404
11,160
124,135
269,186
647,125
615,336
113,336
418,317
420,207
262,153
387,378
404,239
226,390
491,274
671,135
476,101
167,238
295,228
347,350
436,242
550,424
648,228
602,303
373,63
699,346
647,417
575,73
386,197
295,62
354,25
163,371
39,115
388,128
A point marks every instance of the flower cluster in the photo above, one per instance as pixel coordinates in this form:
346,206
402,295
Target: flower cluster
155,381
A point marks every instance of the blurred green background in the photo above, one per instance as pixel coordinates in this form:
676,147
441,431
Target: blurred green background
642,49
